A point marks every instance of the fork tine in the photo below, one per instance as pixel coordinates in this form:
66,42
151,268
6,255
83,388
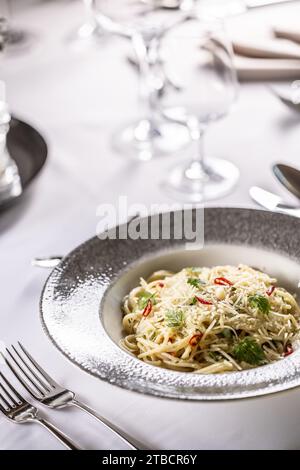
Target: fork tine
20,378
10,389
8,405
39,380
38,367
4,389
2,407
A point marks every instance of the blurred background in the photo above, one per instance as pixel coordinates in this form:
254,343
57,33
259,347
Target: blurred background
121,103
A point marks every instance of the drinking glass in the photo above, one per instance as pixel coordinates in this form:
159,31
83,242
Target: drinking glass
10,184
89,31
197,57
145,22
18,39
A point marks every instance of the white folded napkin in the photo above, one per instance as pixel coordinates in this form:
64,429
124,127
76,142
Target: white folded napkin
266,43
265,48
292,34
266,69
266,59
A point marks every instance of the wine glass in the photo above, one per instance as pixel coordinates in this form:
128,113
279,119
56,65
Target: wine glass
197,57
10,184
89,32
17,38
145,22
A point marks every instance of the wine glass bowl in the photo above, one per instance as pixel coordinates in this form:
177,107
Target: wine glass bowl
151,18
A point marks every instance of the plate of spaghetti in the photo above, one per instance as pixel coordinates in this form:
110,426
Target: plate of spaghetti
213,322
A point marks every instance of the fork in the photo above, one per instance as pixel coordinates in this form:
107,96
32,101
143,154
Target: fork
48,392
18,410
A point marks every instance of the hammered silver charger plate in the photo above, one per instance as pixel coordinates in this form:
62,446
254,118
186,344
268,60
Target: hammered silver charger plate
80,303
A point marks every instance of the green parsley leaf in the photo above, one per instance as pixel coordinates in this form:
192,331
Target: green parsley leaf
195,282
175,318
193,301
227,333
260,302
144,297
248,350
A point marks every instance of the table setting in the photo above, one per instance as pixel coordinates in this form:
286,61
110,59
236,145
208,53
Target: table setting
149,220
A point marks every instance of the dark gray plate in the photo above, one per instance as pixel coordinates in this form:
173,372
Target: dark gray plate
80,303
29,151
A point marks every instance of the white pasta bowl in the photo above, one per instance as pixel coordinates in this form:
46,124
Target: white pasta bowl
81,301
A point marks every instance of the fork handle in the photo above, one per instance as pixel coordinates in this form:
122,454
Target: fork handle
131,443
63,438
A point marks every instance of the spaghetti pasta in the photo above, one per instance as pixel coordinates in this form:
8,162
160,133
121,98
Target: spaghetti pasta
210,320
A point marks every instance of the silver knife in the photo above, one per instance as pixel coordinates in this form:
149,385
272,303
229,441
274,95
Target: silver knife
239,5
272,202
236,7
251,4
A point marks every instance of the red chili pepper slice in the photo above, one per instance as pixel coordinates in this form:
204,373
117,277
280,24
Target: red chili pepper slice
147,309
222,281
289,350
195,339
270,290
203,301
161,284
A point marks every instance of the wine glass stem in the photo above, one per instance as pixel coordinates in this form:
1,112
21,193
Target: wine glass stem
4,127
89,12
142,50
3,147
197,136
196,169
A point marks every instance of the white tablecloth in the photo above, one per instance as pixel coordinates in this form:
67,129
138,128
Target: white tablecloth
76,98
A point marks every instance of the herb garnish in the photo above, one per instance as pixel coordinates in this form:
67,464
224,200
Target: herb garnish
248,350
144,297
227,333
175,318
195,282
260,302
